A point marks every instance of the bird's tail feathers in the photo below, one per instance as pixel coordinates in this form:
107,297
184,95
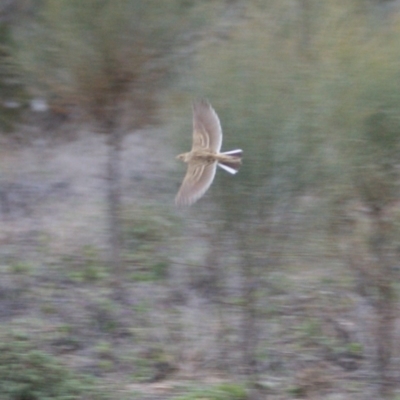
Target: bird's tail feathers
232,168
234,153
231,163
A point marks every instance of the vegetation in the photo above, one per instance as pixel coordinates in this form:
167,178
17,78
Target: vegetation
148,236
220,392
104,58
28,373
317,114
283,277
11,87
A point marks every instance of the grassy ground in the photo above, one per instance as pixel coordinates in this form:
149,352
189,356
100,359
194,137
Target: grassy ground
171,337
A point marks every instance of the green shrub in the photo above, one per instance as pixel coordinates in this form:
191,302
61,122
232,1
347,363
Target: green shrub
86,265
27,373
13,92
147,239
226,391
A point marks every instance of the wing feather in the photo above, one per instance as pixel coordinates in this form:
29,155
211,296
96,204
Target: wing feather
198,179
207,131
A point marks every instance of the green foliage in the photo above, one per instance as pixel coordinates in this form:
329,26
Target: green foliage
260,89
226,391
143,369
28,373
11,88
101,54
147,363
104,349
313,101
85,265
104,316
147,237
311,331
21,268
355,348
296,391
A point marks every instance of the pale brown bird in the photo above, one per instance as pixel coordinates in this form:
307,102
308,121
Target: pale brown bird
205,155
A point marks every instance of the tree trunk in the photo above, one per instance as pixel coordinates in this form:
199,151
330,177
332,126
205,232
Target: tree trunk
114,203
385,311
249,315
385,306
215,275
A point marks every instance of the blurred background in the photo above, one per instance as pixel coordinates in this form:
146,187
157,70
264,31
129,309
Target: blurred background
282,282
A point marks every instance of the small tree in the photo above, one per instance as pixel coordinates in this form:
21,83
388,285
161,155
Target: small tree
306,109
253,83
364,124
108,59
376,181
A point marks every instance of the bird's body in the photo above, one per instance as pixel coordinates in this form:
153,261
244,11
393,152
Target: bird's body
205,155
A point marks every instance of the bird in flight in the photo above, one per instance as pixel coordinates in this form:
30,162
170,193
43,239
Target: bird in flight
205,155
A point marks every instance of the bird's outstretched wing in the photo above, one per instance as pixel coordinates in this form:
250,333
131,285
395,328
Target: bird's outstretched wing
207,132
197,180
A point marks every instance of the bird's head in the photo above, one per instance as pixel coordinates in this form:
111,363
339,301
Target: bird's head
183,157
